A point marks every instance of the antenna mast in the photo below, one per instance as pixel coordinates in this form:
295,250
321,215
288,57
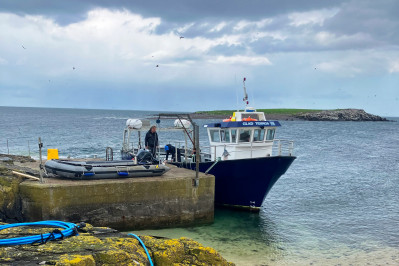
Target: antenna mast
245,99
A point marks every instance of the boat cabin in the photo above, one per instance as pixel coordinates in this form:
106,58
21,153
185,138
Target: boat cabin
245,135
249,114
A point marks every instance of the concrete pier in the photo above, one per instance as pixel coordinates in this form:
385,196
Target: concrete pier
170,200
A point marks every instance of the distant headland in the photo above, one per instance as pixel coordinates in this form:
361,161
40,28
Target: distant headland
300,114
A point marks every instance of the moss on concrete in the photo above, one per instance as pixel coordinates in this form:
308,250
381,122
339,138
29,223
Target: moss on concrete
10,208
105,246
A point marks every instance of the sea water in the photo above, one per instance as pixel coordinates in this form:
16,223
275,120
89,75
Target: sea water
338,203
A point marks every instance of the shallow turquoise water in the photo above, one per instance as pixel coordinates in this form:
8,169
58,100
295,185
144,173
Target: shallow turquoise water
258,239
337,204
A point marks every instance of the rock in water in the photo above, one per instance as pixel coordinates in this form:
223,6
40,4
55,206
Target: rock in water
341,115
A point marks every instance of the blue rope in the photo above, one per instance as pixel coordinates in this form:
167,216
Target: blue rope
146,251
69,230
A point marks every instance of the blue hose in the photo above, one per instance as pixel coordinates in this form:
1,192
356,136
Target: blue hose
146,251
69,230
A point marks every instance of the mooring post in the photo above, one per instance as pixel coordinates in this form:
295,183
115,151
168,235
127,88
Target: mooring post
197,154
40,158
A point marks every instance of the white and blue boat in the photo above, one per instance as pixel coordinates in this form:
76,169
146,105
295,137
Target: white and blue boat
243,154
244,157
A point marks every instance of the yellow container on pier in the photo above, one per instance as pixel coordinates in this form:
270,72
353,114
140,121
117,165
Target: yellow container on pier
52,154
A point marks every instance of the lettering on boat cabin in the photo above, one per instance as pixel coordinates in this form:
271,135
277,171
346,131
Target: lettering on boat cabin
259,123
245,124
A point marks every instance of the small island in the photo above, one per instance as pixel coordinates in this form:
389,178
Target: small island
299,114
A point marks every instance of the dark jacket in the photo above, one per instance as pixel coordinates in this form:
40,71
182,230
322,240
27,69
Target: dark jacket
151,139
172,151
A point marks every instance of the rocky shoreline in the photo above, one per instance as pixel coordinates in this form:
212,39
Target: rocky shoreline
93,245
105,246
326,115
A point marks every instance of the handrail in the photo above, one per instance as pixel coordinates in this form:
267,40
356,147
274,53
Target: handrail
277,147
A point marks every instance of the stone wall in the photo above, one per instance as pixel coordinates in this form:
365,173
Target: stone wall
134,203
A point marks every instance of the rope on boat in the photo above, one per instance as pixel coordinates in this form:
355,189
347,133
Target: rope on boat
70,229
142,244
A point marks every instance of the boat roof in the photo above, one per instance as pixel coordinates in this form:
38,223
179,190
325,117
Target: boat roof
159,129
245,124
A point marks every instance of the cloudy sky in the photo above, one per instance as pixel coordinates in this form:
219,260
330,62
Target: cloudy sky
294,54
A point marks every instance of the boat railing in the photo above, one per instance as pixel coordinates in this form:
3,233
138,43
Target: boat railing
181,147
283,147
280,147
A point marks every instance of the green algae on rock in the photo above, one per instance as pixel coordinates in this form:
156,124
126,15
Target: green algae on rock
106,246
10,209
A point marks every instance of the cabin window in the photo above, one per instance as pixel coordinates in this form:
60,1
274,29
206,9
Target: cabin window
245,135
215,136
225,135
270,134
259,134
234,135
250,115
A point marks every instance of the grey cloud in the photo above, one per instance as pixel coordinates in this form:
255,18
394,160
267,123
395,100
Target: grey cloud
174,10
379,19
359,24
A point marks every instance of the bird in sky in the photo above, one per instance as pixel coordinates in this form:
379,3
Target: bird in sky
73,68
23,47
181,37
157,66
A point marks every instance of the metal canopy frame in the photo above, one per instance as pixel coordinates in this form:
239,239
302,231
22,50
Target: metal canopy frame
194,140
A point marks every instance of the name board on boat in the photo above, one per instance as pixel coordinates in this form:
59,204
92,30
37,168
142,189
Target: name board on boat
245,124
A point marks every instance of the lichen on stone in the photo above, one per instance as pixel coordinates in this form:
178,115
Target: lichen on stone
113,257
113,248
75,260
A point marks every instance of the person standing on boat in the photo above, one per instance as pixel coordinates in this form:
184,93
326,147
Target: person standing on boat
151,140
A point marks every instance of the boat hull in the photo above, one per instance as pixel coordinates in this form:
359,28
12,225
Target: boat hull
103,169
244,183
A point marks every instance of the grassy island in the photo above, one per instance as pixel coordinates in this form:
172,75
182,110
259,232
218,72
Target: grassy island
279,111
300,114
